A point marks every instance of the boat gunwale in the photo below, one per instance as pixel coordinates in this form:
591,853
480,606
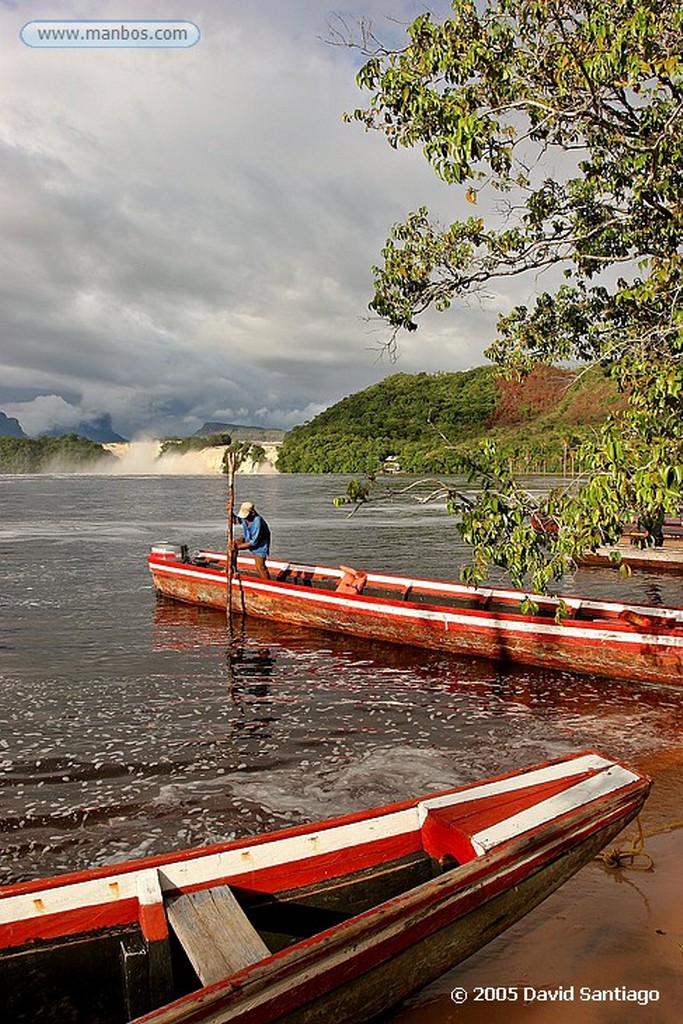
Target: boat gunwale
432,905
585,763
667,631
427,585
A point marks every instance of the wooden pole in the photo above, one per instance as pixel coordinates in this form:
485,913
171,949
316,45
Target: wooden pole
231,461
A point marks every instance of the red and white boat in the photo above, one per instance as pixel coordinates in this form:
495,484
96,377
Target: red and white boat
632,550
323,923
668,559
641,643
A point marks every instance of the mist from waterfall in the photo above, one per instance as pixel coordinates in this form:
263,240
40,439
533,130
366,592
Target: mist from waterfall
143,458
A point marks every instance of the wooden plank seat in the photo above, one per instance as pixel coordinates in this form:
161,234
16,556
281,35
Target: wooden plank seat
215,933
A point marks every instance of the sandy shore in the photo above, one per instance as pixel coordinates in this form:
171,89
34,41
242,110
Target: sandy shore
606,934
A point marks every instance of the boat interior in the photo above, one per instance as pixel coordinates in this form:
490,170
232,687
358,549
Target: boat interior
452,596
113,975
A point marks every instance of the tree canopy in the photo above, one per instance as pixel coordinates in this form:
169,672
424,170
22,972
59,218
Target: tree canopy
402,416
68,453
495,96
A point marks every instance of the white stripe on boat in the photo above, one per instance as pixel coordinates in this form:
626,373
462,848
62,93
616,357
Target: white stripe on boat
554,807
539,776
143,883
483,620
462,590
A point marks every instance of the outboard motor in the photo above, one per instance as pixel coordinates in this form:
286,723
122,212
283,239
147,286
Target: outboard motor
168,552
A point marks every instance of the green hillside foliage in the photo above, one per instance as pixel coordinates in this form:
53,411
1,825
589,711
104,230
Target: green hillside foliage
401,405
196,443
67,453
402,415
428,422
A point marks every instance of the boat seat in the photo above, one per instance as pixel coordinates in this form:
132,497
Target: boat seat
646,621
215,933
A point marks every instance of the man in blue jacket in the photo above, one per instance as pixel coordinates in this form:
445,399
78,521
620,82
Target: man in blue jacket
256,539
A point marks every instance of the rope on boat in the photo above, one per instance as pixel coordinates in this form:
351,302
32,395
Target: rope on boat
626,856
619,857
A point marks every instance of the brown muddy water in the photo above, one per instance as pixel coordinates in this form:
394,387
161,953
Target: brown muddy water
123,731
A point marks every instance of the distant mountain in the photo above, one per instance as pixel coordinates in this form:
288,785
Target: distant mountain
9,427
240,431
98,429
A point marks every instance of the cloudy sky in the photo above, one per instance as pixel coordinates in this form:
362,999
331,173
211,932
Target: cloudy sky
187,234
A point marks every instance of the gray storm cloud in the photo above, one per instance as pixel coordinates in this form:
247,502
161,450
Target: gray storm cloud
189,232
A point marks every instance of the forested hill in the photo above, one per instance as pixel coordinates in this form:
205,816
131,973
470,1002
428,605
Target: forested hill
420,421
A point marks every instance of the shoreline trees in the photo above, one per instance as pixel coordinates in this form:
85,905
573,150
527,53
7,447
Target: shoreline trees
492,96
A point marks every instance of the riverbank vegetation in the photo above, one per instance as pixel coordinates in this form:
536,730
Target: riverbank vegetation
196,443
430,423
560,124
67,453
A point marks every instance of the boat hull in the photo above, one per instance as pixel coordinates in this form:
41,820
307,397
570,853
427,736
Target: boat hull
357,911
611,647
668,558
387,964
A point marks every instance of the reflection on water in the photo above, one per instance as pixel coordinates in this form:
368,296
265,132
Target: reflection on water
125,727
193,741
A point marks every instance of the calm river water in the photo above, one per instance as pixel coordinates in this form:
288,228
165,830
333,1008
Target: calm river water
123,732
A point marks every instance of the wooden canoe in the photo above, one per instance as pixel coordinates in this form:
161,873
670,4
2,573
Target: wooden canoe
631,549
668,558
323,923
641,643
